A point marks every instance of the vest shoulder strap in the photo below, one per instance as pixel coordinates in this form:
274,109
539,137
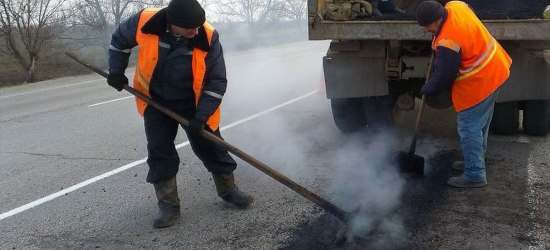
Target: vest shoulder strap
450,44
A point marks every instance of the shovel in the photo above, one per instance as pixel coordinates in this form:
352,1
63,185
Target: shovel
409,162
342,215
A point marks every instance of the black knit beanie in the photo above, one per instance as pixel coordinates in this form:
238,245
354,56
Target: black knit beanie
185,13
429,11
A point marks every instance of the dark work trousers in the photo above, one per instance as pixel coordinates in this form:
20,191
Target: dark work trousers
163,159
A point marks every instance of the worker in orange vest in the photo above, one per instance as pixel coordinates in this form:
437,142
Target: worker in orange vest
181,66
474,65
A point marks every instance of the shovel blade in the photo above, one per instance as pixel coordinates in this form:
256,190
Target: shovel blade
411,163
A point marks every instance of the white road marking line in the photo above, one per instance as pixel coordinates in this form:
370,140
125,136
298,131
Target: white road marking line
133,164
46,89
268,110
69,190
114,100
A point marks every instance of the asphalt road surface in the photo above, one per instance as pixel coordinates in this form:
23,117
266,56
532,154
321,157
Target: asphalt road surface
72,172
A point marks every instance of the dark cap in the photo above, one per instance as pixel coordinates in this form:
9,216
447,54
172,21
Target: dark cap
429,11
185,13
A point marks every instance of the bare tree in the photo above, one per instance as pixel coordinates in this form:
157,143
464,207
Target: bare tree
296,11
206,5
29,25
255,13
163,3
99,18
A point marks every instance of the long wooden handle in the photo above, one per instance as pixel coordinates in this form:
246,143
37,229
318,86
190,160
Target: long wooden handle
421,110
329,207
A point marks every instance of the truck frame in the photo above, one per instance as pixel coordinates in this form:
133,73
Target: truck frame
374,69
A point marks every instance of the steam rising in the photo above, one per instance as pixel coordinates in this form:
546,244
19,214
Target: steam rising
356,172
366,178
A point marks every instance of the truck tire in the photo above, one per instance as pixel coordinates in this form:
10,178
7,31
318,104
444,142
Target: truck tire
536,117
505,119
379,111
348,114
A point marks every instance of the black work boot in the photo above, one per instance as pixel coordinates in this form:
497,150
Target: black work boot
229,192
168,203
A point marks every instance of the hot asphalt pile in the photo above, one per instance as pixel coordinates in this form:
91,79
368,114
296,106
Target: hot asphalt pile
508,9
485,10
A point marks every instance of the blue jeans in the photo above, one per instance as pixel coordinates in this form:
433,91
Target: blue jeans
473,128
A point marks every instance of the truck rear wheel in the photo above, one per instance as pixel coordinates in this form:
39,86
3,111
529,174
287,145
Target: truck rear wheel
505,119
348,114
536,117
379,111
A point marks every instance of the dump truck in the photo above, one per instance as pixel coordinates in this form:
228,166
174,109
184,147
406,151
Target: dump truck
375,66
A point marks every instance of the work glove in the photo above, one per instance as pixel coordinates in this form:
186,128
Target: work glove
196,127
117,81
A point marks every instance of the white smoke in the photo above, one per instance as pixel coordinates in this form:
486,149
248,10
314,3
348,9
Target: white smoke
367,184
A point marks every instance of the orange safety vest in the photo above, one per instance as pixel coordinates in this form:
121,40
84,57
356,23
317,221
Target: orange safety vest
147,61
484,64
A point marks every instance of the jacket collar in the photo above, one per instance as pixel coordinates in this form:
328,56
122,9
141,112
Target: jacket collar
445,15
157,26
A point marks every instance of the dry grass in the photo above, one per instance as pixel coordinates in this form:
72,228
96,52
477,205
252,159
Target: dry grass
56,66
59,65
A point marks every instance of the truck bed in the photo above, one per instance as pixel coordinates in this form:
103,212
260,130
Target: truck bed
490,9
508,9
505,19
528,29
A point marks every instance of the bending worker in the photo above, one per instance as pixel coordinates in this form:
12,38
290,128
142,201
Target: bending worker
181,66
474,65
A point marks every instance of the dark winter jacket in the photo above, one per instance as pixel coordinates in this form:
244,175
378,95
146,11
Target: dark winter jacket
172,79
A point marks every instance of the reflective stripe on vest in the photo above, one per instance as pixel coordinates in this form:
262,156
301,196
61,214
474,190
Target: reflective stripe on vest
484,64
492,49
147,61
